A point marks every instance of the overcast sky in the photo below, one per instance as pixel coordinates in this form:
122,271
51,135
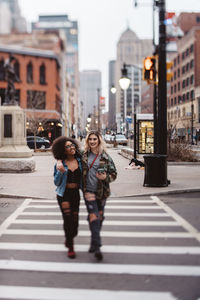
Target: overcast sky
101,23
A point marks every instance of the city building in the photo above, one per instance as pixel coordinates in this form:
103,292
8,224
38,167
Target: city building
112,97
70,29
90,82
130,50
11,19
37,88
184,96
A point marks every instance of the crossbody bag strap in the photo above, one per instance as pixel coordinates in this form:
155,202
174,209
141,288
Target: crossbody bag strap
93,162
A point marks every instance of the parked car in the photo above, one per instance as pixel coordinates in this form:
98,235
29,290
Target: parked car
121,139
108,138
41,142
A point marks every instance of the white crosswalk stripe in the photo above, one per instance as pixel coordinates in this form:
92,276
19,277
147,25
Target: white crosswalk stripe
31,214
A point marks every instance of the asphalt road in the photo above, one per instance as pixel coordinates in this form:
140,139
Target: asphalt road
150,251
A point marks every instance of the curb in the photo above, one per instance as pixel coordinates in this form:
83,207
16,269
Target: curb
192,190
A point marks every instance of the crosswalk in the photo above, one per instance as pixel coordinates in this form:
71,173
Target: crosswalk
144,243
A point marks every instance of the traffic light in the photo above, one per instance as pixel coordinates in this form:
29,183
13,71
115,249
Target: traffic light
169,65
149,69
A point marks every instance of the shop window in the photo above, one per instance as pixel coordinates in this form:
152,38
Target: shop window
36,99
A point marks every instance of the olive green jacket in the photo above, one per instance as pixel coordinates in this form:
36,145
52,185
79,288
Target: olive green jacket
103,186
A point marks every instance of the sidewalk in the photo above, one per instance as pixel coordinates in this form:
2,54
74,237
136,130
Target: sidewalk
39,184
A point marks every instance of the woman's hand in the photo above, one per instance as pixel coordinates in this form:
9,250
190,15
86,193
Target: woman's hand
60,167
101,176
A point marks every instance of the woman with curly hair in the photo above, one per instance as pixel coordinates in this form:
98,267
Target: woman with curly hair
68,179
98,171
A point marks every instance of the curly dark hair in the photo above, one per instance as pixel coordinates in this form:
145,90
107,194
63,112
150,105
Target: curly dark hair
58,147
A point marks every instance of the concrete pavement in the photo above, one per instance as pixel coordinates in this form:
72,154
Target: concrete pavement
39,184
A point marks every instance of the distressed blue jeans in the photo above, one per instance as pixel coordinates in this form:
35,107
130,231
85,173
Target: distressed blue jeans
95,210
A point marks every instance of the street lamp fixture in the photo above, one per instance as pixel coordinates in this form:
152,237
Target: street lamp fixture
124,81
113,89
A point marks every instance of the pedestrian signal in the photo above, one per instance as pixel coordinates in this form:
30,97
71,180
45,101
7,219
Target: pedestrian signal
149,69
169,65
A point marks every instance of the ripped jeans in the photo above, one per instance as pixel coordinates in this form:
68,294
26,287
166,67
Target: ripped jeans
69,206
95,210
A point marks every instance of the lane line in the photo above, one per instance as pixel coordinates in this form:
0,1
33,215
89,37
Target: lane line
161,270
121,234
106,223
13,216
105,248
185,224
45,293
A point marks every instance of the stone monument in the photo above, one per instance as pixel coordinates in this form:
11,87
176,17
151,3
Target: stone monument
15,156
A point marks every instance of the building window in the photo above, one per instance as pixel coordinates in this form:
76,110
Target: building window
183,84
174,62
171,101
188,96
198,19
192,95
187,67
183,98
42,74
191,63
17,69
191,79
175,75
187,52
175,101
179,86
29,73
191,48
178,59
183,69
36,99
183,55
178,72
175,88
171,89
2,70
179,100
199,109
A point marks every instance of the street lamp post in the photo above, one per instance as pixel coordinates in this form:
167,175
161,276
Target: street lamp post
124,84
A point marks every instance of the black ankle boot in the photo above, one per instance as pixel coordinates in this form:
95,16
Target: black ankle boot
98,254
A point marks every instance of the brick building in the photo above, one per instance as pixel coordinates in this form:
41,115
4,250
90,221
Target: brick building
38,89
184,96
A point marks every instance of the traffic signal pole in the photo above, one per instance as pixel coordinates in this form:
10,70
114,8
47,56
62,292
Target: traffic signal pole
162,87
156,164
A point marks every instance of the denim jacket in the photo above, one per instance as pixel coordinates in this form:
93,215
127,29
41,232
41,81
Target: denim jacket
60,179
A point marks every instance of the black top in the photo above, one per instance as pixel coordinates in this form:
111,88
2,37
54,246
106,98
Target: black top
74,176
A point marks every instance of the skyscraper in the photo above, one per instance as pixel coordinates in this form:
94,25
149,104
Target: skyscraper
90,81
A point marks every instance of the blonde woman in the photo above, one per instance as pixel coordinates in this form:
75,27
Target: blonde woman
98,171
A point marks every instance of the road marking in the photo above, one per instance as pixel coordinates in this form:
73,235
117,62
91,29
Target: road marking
105,248
107,206
41,293
121,234
13,216
108,201
110,214
106,223
161,270
178,218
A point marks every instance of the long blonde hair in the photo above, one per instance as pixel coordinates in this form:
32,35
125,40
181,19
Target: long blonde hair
102,144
